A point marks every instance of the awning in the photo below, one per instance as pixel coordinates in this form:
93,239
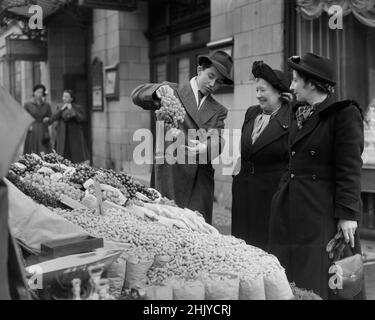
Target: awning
363,10
120,5
21,7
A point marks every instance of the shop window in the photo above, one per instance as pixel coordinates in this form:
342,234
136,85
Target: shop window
178,33
36,73
350,50
183,70
161,72
16,80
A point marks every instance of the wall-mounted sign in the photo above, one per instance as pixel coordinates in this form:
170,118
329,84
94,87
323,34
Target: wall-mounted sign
112,82
97,85
26,49
126,5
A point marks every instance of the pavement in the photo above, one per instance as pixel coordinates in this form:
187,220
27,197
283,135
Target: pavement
222,219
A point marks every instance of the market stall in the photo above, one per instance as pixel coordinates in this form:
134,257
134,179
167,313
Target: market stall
149,248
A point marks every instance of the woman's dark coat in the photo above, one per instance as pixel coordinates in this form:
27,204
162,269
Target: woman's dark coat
38,139
262,165
322,185
70,141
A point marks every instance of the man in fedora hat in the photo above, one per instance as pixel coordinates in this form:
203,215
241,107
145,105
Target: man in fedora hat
191,183
320,193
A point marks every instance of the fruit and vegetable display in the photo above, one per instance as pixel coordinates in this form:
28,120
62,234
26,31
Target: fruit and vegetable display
48,176
171,251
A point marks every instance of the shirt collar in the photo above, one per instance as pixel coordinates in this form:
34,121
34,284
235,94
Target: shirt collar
194,87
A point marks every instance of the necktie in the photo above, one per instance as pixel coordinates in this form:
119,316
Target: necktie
200,97
303,113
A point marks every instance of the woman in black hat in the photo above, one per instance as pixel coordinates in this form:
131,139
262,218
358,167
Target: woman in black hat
38,138
264,156
321,191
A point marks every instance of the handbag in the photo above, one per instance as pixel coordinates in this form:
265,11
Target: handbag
46,137
347,268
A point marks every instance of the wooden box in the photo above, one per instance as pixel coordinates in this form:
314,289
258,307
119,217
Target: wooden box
60,248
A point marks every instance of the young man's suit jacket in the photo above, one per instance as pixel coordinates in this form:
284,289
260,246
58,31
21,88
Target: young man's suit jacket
189,185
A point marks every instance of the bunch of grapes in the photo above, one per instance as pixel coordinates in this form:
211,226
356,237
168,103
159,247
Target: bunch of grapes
128,182
55,188
133,186
43,196
54,158
83,173
141,188
171,111
32,163
109,177
151,194
17,170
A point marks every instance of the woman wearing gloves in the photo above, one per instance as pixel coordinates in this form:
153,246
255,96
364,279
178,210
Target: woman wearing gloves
321,191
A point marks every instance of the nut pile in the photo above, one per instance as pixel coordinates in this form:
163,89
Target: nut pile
192,253
57,188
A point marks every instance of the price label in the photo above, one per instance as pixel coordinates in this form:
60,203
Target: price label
98,195
71,203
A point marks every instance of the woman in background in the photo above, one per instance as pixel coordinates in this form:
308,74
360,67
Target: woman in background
264,156
38,138
70,141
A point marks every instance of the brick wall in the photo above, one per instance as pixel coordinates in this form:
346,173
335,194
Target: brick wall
119,38
257,29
